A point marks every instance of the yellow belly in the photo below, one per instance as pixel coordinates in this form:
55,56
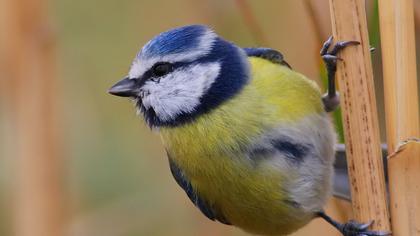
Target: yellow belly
210,150
251,198
248,196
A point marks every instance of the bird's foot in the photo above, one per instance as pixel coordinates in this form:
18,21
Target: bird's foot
353,228
330,58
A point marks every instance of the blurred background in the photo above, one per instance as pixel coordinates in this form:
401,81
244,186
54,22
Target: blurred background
76,161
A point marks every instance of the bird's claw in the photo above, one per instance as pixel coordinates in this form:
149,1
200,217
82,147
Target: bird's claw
341,45
330,57
326,46
353,228
337,47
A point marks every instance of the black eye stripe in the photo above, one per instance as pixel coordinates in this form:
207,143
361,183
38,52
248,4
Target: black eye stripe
149,73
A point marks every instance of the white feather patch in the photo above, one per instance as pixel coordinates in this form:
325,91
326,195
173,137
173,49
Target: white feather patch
180,91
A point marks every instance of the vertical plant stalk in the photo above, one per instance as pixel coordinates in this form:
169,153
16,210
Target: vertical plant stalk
319,36
417,13
402,114
251,22
360,119
316,21
28,61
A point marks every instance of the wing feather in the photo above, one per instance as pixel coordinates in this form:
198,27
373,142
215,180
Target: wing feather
200,203
268,54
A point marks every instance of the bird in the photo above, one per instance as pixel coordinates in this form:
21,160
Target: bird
248,138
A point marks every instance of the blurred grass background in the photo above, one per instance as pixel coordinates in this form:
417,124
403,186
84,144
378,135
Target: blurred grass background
116,179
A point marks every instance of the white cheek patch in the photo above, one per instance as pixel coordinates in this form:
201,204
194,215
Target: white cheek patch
180,91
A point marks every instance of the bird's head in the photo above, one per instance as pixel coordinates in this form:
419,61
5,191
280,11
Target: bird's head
183,73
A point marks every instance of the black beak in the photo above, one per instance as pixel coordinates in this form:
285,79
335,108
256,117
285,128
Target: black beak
125,88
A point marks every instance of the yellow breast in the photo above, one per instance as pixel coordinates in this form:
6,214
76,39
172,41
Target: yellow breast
210,150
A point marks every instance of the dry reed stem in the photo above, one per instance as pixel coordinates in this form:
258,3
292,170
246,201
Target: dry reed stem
402,114
417,13
404,175
28,61
360,119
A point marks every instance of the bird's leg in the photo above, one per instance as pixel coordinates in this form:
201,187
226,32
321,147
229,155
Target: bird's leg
331,99
352,228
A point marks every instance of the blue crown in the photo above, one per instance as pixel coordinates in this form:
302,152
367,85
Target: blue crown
179,40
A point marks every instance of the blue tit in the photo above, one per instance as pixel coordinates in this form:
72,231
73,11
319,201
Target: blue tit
247,137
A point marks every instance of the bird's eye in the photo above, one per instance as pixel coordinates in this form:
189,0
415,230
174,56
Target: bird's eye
162,69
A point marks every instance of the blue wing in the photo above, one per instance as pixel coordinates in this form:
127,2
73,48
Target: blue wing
268,54
182,181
